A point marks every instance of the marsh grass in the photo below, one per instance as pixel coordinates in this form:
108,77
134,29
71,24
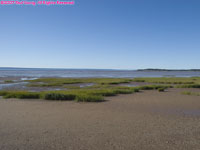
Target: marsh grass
170,80
46,82
102,87
188,86
89,98
190,93
80,95
8,81
161,89
59,96
20,94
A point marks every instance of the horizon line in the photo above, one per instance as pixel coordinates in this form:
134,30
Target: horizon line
94,68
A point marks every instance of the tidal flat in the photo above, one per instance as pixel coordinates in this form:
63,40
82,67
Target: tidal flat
144,120
106,113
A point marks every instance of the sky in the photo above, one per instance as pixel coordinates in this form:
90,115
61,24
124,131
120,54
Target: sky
102,34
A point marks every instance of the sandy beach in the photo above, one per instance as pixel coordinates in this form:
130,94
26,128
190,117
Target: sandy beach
148,120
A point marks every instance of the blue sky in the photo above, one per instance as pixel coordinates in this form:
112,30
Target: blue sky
109,34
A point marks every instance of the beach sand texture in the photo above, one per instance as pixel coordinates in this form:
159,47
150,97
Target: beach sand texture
148,120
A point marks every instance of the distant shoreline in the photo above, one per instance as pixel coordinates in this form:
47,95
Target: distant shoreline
148,69
168,70
96,73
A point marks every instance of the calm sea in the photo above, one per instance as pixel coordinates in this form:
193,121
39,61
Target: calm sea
16,72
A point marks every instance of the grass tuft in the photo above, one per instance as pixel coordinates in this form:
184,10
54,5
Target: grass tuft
89,98
8,81
20,95
190,93
59,96
189,86
161,89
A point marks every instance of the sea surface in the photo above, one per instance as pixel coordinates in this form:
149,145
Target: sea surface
88,73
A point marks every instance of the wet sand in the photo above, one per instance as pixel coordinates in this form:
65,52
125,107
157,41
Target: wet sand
148,120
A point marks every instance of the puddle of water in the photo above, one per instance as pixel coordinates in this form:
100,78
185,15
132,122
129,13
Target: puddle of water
43,89
28,79
86,84
129,85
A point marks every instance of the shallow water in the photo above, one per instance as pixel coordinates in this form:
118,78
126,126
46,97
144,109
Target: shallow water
86,84
129,85
10,85
75,73
23,86
23,79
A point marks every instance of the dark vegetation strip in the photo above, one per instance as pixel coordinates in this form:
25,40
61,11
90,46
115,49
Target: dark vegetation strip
188,86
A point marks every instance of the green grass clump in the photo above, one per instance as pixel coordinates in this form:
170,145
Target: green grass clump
113,91
186,93
138,80
101,92
20,95
89,98
8,81
3,93
161,89
136,90
124,91
190,93
189,86
59,96
104,92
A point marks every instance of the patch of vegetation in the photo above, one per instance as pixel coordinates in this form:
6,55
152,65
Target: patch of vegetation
170,80
47,82
20,94
102,87
188,86
161,89
89,95
8,81
89,98
190,93
136,90
59,96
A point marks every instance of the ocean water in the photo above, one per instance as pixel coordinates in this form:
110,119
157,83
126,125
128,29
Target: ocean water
85,73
